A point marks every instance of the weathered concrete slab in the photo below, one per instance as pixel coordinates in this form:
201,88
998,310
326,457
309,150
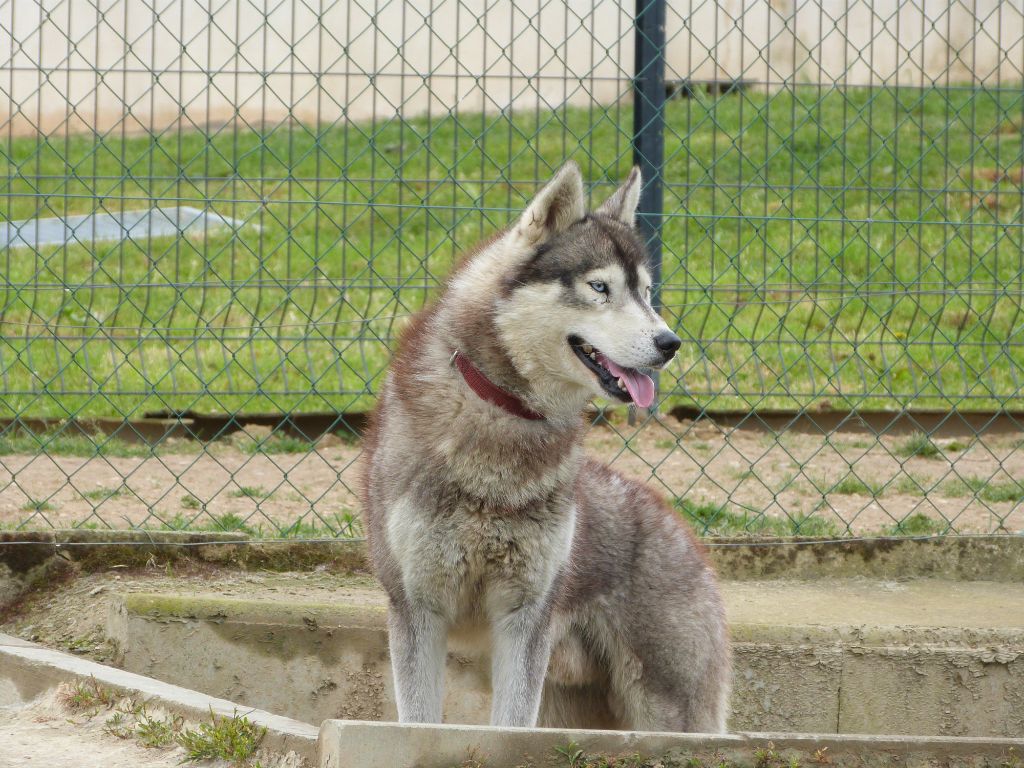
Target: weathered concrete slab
961,558
881,612
316,661
30,559
954,558
111,227
956,691
929,657
27,670
348,744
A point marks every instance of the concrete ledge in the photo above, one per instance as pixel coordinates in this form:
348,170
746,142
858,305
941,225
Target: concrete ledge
985,558
964,558
307,615
883,663
28,558
353,744
28,670
316,661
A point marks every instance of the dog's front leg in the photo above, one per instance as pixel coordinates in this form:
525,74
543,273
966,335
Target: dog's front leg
418,638
522,647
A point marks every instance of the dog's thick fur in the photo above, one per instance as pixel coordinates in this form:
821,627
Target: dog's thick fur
599,606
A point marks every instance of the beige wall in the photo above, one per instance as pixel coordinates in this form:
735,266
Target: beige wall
883,42
72,65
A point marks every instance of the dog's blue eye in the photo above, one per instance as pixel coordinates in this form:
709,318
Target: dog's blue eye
598,286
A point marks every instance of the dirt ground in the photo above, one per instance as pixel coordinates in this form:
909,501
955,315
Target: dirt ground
71,615
48,733
791,475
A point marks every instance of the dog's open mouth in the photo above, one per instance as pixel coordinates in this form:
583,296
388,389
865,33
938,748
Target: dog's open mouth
625,384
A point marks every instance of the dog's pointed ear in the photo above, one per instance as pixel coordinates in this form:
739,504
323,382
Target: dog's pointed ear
622,204
555,208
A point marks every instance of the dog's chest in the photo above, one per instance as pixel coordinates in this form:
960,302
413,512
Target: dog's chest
463,553
501,544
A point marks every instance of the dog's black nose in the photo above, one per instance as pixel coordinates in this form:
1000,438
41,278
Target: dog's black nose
667,342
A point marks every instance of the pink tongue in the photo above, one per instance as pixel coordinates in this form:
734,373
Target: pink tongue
640,386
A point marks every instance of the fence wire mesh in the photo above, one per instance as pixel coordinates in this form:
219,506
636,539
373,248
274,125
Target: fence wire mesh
218,213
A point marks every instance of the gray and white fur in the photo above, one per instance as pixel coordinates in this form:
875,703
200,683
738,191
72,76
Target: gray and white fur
598,605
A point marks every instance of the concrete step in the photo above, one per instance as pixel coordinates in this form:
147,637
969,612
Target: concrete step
30,673
923,657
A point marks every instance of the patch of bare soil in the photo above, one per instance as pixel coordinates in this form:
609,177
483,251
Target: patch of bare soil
47,732
862,484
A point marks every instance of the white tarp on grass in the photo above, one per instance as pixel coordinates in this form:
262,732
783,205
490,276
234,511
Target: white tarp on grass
100,227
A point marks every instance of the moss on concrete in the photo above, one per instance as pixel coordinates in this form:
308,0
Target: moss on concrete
995,558
220,610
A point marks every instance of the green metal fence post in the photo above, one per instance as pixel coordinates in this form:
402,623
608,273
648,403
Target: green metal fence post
649,129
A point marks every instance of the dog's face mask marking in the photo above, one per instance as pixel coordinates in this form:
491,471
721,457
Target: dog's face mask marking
576,311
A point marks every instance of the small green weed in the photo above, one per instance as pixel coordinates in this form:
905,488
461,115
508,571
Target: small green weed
70,442
340,525
230,522
250,492
909,484
181,522
37,505
344,524
80,644
861,444
215,523
766,757
1003,492
963,486
917,524
986,490
119,725
122,723
851,485
812,525
235,739
87,695
278,443
718,519
102,494
918,444
188,501
572,754
156,733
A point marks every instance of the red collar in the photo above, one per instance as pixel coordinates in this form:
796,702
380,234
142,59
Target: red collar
491,392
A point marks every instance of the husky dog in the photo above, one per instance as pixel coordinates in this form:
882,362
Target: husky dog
482,513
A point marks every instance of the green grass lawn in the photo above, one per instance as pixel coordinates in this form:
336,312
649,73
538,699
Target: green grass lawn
859,247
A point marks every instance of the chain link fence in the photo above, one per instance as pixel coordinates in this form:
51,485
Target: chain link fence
218,213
